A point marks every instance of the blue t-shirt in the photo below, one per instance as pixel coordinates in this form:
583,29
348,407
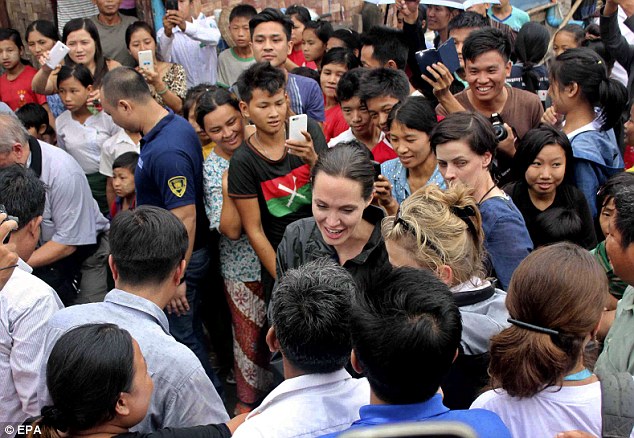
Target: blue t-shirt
306,97
515,21
506,238
485,423
170,170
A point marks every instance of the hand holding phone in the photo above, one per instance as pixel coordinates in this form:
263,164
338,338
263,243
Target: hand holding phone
297,124
171,5
57,53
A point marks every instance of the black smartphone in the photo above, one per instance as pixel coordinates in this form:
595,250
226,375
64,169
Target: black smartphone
377,169
171,5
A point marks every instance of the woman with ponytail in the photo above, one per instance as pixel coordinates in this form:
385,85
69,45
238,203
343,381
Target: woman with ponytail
99,383
538,364
528,73
592,104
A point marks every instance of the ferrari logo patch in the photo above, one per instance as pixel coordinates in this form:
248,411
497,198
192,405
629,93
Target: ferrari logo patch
178,185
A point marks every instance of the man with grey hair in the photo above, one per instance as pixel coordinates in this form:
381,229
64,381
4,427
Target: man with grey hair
309,315
73,251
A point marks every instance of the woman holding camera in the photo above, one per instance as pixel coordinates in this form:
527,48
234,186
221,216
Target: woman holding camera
464,144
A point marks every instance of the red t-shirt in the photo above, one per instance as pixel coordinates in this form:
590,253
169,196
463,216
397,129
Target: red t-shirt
335,124
17,92
297,56
383,152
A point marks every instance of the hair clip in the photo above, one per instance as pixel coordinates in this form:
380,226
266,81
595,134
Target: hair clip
466,213
532,327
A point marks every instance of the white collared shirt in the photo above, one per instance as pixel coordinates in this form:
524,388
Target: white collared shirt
308,406
26,305
114,147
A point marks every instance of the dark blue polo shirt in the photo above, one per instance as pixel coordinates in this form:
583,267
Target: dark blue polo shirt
170,170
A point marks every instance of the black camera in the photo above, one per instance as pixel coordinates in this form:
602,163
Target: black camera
498,127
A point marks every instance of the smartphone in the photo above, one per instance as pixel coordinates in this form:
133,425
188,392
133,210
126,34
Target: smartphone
8,218
171,5
377,169
57,53
146,60
296,125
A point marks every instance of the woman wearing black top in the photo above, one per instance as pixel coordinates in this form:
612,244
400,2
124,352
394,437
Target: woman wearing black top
100,387
344,226
544,174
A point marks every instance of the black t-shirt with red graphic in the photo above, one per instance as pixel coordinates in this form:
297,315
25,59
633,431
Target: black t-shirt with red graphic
282,187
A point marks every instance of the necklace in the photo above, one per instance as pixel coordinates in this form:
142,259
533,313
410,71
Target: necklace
261,148
581,375
485,195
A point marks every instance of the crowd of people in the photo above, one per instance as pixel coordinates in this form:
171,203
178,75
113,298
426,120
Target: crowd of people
451,244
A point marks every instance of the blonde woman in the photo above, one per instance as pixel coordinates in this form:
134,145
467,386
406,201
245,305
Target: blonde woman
441,230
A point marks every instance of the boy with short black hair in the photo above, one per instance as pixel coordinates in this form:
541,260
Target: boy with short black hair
269,176
358,118
381,89
238,58
35,119
123,183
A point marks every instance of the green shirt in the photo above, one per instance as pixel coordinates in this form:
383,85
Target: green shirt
618,348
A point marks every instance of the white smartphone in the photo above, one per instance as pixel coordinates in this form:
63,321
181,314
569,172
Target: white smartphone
296,125
57,53
146,60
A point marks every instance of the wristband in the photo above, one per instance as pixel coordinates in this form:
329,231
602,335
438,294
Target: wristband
163,91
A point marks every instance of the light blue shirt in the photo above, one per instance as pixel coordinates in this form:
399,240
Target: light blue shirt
183,394
515,21
396,173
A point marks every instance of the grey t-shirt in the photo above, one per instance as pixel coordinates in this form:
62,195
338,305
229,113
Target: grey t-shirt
230,65
113,40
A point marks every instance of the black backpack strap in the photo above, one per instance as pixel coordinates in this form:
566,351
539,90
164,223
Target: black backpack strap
617,405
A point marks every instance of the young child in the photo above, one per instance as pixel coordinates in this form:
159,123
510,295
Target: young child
82,130
315,36
300,17
190,42
15,83
356,115
189,113
238,58
123,183
35,119
117,145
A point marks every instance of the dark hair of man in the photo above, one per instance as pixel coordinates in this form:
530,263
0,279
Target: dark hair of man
405,330
471,127
193,95
380,82
88,369
531,45
32,115
139,25
416,113
323,29
340,56
486,40
387,43
532,144
307,72
147,244
262,76
349,161
45,27
77,71
350,83
613,185
271,15
310,311
624,221
468,20
127,160
242,11
558,224
125,83
350,38
22,193
300,12
101,67
587,69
